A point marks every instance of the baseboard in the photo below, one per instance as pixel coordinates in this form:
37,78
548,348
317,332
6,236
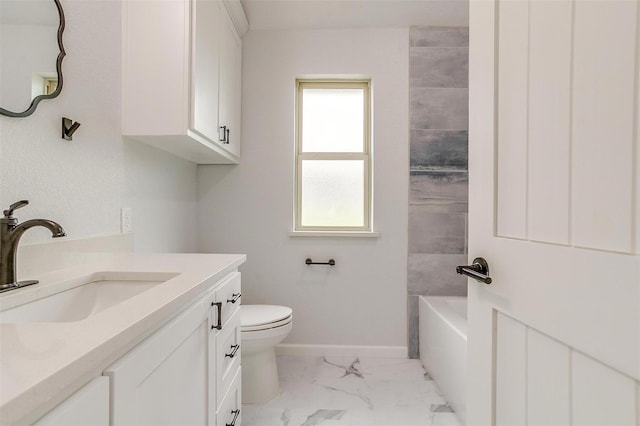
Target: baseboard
342,350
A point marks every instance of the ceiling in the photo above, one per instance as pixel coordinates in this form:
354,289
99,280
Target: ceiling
310,14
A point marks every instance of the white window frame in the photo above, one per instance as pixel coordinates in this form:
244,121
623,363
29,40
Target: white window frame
365,156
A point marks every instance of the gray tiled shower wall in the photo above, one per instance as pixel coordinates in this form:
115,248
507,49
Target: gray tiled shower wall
438,198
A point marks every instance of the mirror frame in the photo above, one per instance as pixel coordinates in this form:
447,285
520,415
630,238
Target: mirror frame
34,103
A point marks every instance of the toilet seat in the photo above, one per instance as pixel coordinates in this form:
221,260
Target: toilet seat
264,317
267,326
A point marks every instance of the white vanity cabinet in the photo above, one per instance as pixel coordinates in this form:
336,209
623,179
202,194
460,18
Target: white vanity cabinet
181,80
182,373
89,406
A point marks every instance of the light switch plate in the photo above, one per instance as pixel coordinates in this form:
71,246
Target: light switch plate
126,220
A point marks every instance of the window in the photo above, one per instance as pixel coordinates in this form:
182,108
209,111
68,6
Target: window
333,163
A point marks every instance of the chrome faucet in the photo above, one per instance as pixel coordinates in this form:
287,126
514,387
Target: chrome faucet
10,233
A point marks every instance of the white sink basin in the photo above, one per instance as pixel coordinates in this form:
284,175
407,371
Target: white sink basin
79,299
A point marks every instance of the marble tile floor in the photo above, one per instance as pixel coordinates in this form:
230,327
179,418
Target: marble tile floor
352,392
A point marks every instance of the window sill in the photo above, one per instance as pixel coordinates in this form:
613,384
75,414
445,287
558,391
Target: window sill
332,234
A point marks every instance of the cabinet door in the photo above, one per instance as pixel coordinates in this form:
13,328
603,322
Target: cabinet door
205,71
230,82
87,407
155,68
164,380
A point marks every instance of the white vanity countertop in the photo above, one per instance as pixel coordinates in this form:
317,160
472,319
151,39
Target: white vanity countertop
41,364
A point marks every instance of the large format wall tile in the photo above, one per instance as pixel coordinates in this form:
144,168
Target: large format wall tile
435,275
436,232
439,37
412,320
439,67
449,189
439,149
439,108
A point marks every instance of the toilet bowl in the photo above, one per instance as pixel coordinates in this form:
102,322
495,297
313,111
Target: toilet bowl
262,328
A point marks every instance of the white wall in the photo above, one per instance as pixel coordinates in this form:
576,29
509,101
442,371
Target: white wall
248,208
83,184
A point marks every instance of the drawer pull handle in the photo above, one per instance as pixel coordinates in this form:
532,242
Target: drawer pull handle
234,297
235,413
234,349
218,305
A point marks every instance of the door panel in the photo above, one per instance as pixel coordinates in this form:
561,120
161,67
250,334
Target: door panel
548,381
601,395
549,121
540,381
512,127
553,199
511,377
604,90
565,108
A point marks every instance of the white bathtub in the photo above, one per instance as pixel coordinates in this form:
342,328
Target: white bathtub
443,346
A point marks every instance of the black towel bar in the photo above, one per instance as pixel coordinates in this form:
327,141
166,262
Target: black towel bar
308,261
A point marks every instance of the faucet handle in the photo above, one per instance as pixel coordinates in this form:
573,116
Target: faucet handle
18,204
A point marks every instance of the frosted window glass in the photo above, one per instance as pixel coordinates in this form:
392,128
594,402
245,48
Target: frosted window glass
332,193
332,120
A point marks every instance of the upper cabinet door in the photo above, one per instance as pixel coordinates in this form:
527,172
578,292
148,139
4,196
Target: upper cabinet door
230,84
205,71
155,71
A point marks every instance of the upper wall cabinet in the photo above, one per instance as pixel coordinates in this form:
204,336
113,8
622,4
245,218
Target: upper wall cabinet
181,82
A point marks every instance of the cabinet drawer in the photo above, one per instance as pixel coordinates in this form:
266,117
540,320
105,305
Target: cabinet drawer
230,412
226,301
227,350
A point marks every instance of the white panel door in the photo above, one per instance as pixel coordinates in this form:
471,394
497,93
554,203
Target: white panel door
553,199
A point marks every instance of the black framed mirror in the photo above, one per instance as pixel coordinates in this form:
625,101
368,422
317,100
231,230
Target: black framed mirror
31,54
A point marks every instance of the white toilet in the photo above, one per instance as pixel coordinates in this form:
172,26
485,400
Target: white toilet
262,328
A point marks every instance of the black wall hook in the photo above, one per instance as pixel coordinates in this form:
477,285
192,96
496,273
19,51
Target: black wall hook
69,128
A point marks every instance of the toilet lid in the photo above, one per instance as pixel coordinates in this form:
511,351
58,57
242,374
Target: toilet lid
252,316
